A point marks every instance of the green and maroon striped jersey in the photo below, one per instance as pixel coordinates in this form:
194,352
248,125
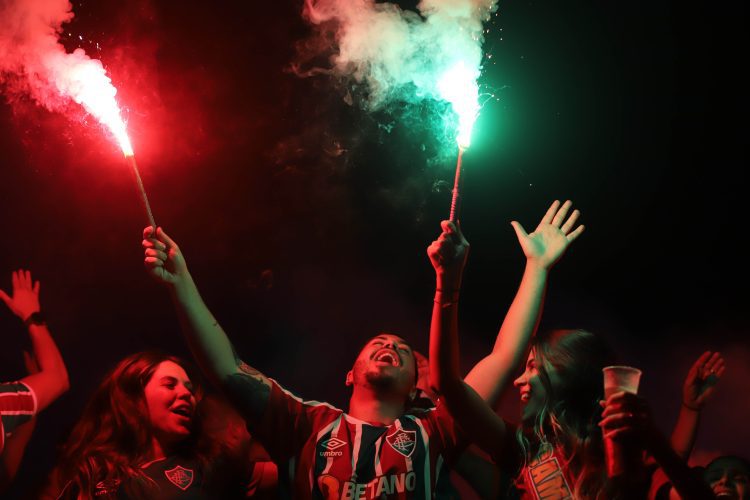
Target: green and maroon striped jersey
332,455
17,406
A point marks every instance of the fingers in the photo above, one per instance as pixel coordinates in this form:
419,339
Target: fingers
453,231
551,211
37,286
22,280
162,236
571,221
707,365
520,231
148,232
152,243
702,359
714,363
562,213
152,262
159,254
624,402
575,234
618,420
5,298
696,370
442,248
617,433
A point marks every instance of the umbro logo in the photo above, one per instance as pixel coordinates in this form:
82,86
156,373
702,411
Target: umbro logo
331,445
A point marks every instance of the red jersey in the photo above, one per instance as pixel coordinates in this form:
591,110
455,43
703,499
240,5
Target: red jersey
332,455
17,406
545,477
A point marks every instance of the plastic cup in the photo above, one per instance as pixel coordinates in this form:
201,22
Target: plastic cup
619,456
620,378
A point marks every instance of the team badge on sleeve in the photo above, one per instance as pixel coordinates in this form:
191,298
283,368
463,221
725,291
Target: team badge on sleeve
180,477
403,441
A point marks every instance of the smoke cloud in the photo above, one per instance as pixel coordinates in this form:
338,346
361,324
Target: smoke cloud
388,55
33,62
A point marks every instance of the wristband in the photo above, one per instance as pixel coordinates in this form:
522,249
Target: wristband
36,319
446,299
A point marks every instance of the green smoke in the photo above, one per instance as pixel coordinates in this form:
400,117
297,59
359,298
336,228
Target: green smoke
394,55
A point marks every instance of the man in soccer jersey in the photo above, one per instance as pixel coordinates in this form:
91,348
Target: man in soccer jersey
378,449
48,378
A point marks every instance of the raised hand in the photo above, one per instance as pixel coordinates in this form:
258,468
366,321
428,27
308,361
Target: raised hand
24,300
551,237
448,255
163,258
701,380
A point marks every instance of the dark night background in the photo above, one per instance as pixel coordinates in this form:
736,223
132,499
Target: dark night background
305,223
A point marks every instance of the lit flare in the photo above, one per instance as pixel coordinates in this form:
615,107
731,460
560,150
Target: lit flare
459,87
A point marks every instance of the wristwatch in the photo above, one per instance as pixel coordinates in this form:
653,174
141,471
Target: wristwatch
35,318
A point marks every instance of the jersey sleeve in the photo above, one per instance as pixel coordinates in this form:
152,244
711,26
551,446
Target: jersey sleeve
288,422
17,406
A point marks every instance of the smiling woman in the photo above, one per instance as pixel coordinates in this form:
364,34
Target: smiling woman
139,437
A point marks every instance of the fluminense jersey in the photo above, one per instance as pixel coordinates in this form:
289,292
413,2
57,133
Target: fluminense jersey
332,455
17,406
170,478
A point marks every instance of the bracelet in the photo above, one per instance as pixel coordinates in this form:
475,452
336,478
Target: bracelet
445,300
36,319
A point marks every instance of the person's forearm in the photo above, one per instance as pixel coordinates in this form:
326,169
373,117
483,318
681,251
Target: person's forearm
207,340
471,413
685,481
524,313
491,375
52,379
444,349
685,430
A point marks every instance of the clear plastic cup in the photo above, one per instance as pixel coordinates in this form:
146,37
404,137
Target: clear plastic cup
620,378
619,456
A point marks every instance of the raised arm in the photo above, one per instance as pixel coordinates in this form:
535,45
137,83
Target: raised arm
51,381
697,389
248,389
542,248
448,256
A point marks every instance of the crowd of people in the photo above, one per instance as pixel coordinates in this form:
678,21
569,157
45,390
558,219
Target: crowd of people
413,423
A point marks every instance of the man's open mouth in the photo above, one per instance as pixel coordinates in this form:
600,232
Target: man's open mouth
387,356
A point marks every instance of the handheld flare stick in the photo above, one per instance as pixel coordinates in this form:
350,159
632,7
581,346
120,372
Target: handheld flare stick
142,190
459,87
456,200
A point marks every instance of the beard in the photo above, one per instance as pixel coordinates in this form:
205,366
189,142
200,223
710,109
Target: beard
380,381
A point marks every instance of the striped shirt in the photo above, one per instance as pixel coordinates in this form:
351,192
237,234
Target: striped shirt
332,455
17,406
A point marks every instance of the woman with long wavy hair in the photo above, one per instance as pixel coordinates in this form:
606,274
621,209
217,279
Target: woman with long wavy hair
557,449
140,437
560,390
556,452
